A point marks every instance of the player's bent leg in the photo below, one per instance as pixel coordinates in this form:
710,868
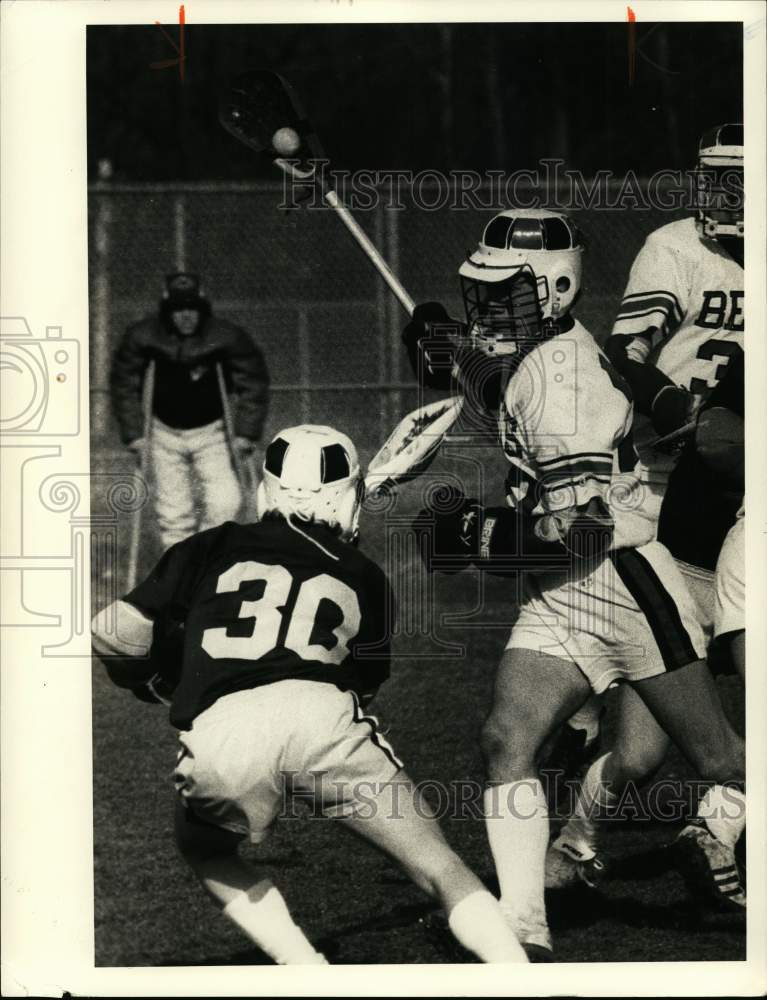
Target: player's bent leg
534,693
253,904
639,748
686,703
400,822
640,745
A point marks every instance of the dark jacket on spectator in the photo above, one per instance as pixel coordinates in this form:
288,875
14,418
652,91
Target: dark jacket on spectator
186,392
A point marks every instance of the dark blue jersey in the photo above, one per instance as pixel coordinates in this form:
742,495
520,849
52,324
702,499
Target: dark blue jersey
266,602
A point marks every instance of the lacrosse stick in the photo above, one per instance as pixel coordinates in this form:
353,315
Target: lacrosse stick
675,438
261,110
412,446
143,468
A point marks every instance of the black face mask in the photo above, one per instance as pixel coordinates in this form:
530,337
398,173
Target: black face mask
508,309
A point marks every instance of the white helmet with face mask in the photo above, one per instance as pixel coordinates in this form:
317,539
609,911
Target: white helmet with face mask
312,472
525,274
719,182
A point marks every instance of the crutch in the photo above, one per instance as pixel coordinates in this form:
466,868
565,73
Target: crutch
143,468
244,469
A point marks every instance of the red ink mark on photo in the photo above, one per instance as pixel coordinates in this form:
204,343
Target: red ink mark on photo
181,56
632,52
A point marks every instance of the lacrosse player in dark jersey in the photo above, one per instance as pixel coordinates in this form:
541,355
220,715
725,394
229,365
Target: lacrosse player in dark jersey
286,629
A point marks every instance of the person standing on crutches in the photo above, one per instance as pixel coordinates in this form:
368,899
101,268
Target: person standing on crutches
190,394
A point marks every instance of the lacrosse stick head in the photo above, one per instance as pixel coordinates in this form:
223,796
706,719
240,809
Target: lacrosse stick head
258,104
412,446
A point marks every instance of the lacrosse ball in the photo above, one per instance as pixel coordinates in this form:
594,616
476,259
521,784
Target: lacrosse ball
286,141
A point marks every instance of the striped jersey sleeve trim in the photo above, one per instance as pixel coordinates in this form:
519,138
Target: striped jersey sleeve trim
646,303
596,458
575,470
552,486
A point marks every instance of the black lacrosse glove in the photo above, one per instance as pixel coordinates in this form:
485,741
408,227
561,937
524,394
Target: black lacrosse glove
430,349
457,532
158,690
449,532
166,656
672,408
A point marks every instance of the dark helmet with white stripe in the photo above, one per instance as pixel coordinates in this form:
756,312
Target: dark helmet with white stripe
525,271
719,182
312,472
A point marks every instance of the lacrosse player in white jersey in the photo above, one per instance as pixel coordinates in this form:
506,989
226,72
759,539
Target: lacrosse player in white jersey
601,600
678,332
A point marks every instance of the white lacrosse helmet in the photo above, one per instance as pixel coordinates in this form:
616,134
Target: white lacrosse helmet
526,269
312,472
719,182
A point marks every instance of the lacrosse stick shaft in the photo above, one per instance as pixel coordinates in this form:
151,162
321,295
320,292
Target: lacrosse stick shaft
358,233
143,468
674,436
369,249
229,426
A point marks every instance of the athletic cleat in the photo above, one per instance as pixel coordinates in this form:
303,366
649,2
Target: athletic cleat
537,953
534,936
567,865
709,867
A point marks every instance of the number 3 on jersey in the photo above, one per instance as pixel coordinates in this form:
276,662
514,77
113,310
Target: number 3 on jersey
269,613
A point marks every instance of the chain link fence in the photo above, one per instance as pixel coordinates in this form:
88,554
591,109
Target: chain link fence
328,326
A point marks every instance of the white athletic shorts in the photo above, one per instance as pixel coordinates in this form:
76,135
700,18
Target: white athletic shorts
631,618
730,600
701,584
250,751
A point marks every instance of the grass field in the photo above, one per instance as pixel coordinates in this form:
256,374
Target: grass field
352,902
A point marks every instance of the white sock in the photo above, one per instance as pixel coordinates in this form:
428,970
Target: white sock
479,925
262,914
517,821
587,717
593,798
724,810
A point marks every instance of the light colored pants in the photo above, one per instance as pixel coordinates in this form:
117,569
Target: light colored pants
730,601
178,456
238,755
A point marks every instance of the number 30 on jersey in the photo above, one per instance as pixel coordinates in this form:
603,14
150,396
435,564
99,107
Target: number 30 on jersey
268,612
